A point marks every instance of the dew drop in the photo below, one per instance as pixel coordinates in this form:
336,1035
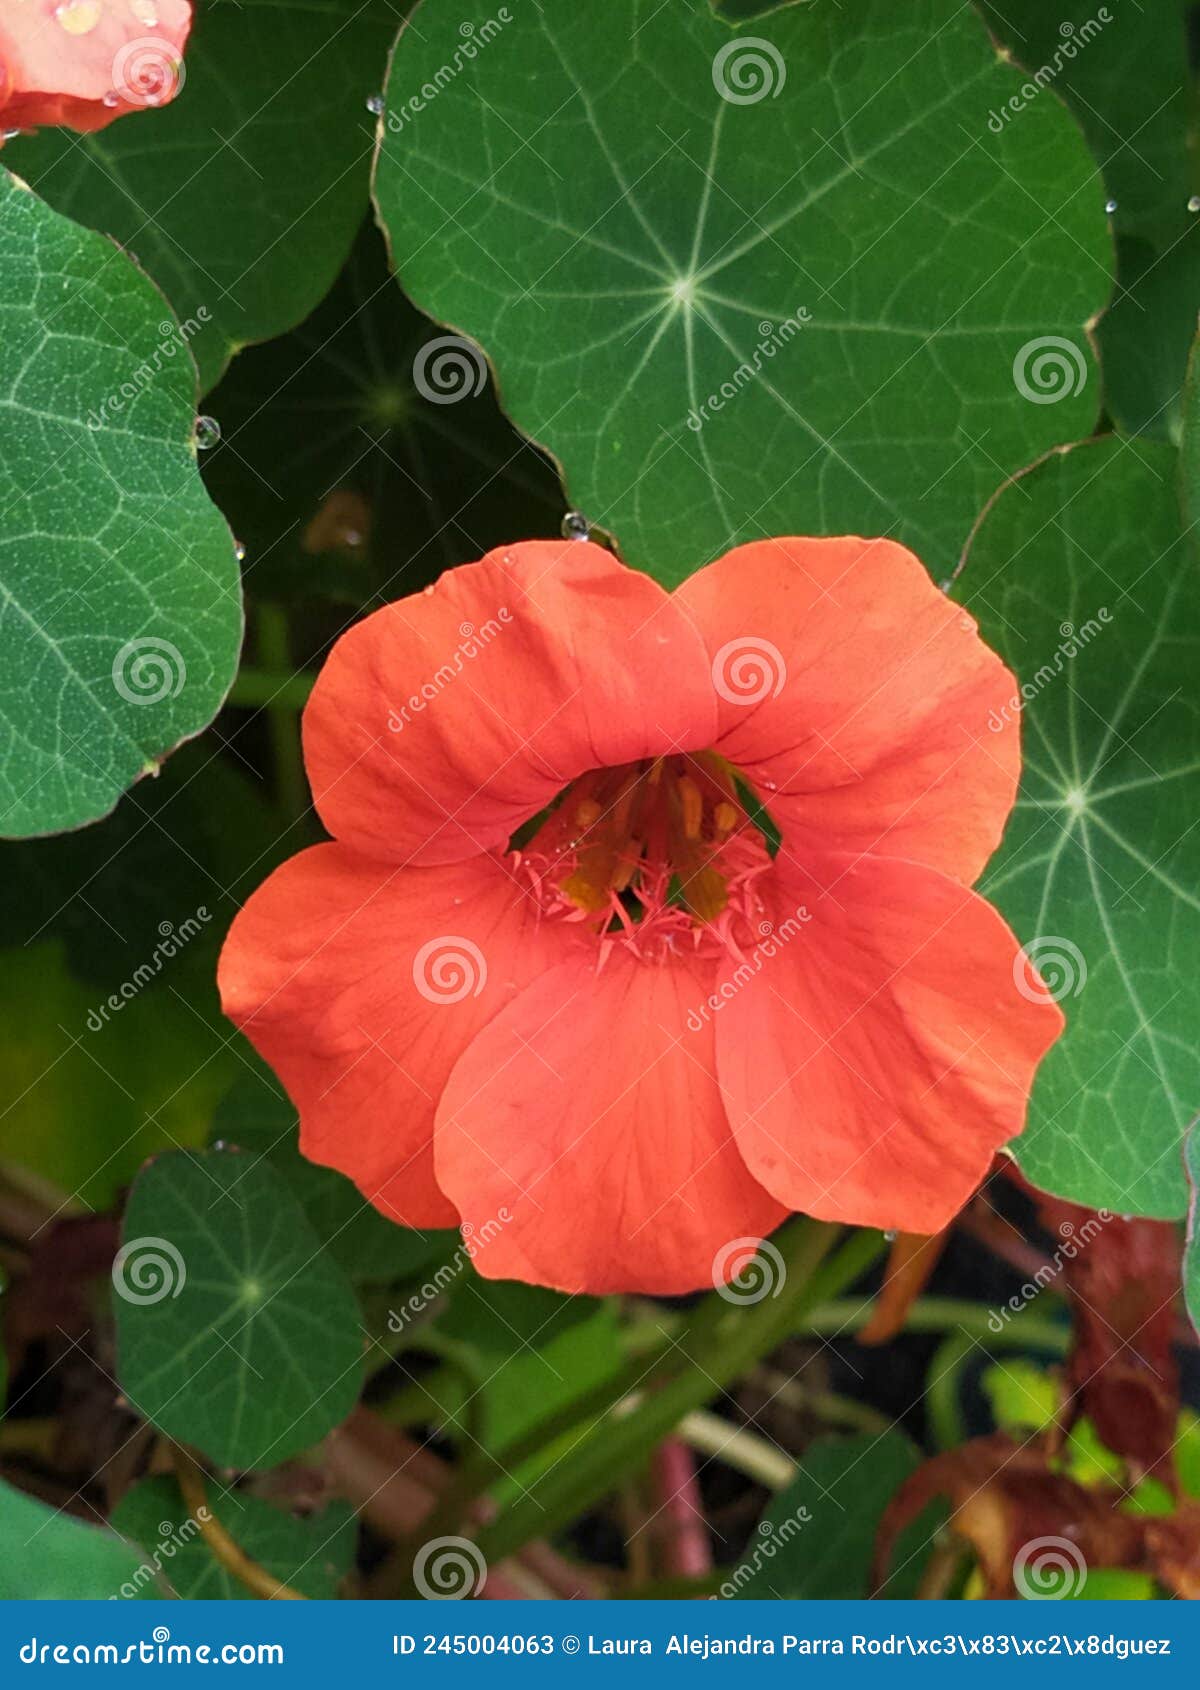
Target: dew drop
145,11
375,104
428,591
575,526
111,99
79,17
1110,206
239,551
10,134
207,432
890,1237
1194,203
220,1144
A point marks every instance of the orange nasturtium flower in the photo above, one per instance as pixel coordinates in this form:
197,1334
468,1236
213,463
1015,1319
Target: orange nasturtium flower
551,981
84,62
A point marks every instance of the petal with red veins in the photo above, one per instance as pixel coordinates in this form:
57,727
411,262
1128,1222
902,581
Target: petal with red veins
361,985
443,722
587,1119
877,1050
859,701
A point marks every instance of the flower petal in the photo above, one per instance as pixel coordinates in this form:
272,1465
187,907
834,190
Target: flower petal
85,62
875,1055
581,1120
859,700
503,683
361,985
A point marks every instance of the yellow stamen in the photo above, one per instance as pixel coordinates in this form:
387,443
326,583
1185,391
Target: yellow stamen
692,800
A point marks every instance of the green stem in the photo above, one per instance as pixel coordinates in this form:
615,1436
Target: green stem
274,643
256,689
615,1445
1023,1331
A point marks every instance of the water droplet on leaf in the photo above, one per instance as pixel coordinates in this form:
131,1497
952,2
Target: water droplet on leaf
375,104
207,432
1110,206
1194,203
575,526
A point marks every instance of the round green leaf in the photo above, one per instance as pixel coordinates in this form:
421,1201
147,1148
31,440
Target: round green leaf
120,610
1081,577
236,1331
52,1556
736,294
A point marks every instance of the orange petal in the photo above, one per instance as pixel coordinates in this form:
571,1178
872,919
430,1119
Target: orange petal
588,1124
859,701
85,62
874,1061
442,723
361,985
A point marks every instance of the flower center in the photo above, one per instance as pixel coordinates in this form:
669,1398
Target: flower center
654,852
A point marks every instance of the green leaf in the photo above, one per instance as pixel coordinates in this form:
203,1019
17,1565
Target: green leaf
51,1556
242,196
247,1339
1126,79
351,482
256,1115
118,580
852,267
816,1540
536,1351
312,1555
1115,1584
1081,578
1021,1396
